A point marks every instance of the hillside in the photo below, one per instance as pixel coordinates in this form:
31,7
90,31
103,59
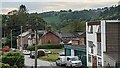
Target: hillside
63,19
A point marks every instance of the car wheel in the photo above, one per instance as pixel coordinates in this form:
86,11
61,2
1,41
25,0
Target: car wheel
67,66
57,64
60,64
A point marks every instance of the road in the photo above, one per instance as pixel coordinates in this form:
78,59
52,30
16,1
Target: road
29,63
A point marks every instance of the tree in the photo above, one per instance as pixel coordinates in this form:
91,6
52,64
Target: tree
22,9
17,18
70,10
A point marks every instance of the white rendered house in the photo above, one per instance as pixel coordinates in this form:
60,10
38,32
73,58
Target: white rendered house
103,43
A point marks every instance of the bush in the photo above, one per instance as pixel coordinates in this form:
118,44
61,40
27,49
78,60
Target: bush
48,46
8,66
13,58
5,65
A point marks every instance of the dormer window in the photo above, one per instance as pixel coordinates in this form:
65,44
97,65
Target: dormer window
90,29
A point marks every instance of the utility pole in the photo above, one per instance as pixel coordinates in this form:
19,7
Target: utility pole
36,44
4,34
36,51
21,47
11,38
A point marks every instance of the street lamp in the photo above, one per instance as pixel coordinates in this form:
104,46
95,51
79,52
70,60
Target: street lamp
36,44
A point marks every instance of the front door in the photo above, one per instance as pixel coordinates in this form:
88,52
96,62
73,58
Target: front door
94,61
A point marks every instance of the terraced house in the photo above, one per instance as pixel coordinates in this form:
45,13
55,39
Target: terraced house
103,43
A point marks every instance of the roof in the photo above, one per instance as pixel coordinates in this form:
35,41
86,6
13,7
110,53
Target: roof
24,34
69,35
49,32
98,22
66,37
42,33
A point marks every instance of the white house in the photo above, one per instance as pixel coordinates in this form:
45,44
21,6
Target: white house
103,43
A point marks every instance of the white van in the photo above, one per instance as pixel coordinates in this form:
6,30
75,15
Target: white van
61,60
69,61
73,61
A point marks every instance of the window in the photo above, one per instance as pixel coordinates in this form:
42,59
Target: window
99,29
90,43
99,61
98,37
89,58
90,29
92,49
99,48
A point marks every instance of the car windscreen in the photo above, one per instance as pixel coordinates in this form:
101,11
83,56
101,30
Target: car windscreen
74,59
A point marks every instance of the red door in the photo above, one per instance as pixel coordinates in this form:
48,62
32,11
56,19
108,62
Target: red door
94,62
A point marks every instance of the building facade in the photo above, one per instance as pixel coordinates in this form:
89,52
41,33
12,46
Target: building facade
102,43
49,38
23,41
77,47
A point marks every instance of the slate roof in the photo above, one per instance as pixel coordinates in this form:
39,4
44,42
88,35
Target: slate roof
24,34
66,37
71,35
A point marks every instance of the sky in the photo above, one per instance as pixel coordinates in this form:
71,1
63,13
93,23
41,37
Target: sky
54,5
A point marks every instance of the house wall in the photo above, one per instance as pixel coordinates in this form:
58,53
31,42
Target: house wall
113,39
109,60
29,42
92,37
24,40
19,41
49,37
110,43
82,41
75,42
112,32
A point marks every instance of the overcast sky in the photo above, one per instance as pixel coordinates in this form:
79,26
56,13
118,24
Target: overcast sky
54,5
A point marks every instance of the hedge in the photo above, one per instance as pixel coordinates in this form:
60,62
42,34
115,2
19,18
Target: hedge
13,58
8,66
47,46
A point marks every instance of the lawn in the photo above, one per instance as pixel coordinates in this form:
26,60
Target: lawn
55,50
50,57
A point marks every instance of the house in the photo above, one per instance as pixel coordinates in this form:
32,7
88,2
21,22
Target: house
103,43
77,46
70,38
49,38
23,41
45,37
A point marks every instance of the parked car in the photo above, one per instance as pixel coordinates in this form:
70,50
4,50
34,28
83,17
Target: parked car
32,54
45,50
73,61
61,60
26,52
12,49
